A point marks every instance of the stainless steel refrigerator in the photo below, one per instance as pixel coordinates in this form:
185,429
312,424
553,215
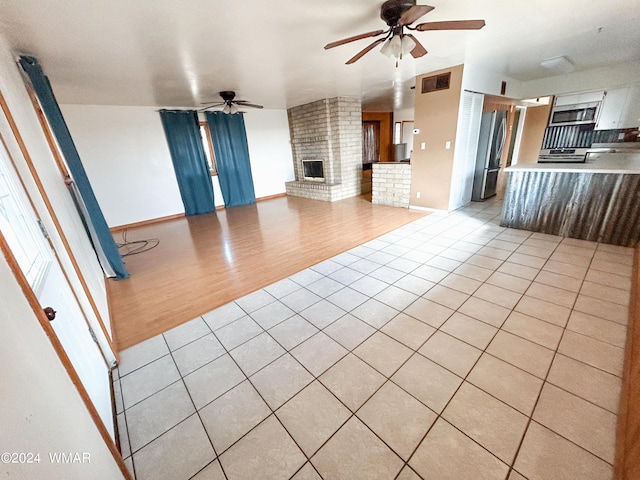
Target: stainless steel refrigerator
493,131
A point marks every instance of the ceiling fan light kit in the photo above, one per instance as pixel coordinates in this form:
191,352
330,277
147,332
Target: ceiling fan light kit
397,47
230,109
398,15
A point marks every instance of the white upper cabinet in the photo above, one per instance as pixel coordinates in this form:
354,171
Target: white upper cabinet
562,100
620,109
590,97
576,98
630,117
612,107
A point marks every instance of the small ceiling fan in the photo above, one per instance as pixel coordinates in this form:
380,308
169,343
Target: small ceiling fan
229,105
398,15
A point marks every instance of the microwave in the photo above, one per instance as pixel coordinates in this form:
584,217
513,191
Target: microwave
576,114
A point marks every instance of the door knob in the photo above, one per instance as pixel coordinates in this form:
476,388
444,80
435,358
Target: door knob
50,313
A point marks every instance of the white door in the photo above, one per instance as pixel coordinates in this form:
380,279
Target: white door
466,146
20,227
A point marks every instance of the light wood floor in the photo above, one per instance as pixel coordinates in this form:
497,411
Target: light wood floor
205,261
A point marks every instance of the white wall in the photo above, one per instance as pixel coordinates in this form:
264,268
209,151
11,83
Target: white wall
594,79
270,150
403,114
476,78
41,410
125,153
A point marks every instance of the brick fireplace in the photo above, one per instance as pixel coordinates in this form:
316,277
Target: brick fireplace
326,137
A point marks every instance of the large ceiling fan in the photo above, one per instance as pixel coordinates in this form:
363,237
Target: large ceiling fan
398,15
229,105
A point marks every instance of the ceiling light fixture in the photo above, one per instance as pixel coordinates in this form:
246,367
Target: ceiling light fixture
559,64
408,44
398,45
230,109
387,49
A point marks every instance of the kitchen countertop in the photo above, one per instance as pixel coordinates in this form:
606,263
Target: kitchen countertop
620,163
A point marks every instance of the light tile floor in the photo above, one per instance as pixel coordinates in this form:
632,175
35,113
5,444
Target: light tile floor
450,348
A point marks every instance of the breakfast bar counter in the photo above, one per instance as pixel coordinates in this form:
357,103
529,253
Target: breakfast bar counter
598,200
391,184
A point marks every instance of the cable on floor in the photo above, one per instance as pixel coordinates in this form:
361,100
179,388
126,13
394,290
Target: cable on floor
134,247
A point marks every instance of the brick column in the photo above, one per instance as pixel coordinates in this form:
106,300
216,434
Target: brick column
330,131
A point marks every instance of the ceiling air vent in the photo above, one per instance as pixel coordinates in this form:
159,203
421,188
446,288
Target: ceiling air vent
436,82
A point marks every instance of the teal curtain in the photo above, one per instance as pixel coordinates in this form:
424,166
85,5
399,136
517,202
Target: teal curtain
99,234
232,158
189,162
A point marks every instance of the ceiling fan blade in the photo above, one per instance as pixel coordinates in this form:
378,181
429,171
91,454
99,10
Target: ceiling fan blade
451,25
418,51
414,13
366,50
352,39
244,103
209,107
209,104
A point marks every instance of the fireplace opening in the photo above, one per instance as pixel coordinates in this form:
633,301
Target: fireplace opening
313,170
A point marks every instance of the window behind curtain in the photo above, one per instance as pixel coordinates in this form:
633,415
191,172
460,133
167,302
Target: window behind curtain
208,148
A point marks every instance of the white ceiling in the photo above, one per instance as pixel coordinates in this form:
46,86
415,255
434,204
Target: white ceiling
183,52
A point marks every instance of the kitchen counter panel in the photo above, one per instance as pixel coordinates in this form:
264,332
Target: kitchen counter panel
597,204
391,184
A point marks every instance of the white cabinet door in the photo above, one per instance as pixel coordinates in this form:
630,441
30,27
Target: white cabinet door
576,98
630,117
567,100
589,97
612,106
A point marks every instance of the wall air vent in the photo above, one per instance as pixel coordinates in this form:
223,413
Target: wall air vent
436,82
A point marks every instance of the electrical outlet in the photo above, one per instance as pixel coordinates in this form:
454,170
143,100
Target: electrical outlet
423,145
447,145
417,194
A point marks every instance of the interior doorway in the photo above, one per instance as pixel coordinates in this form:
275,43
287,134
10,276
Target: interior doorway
370,143
407,137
